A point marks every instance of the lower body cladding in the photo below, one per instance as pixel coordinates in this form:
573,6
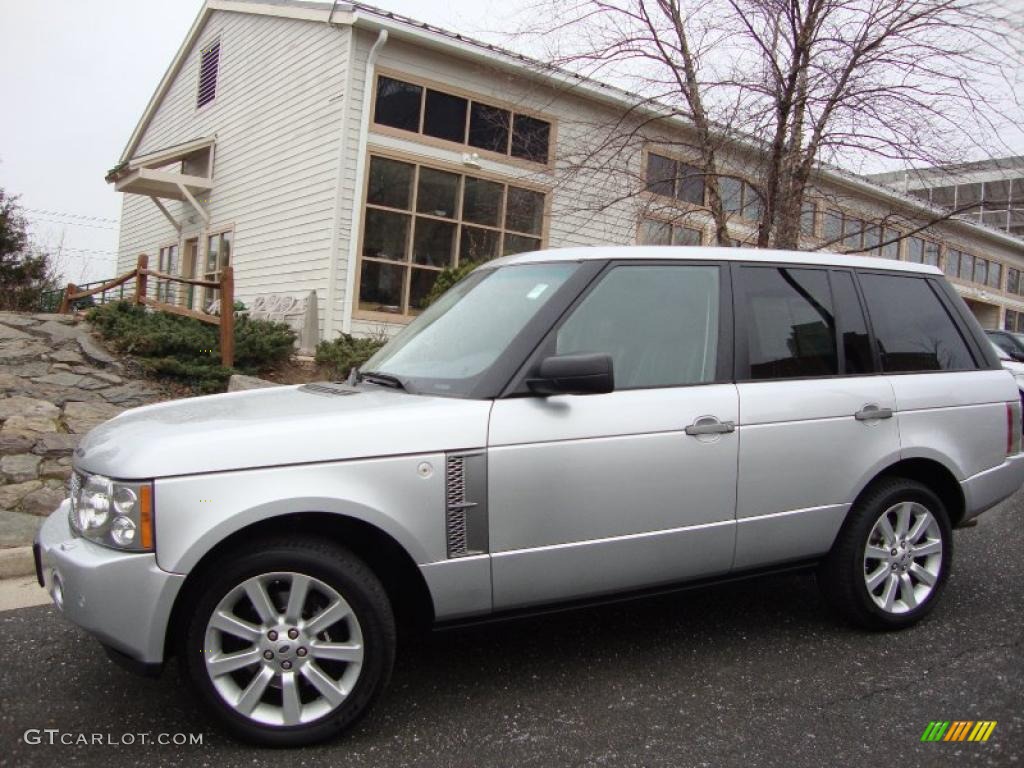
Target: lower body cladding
123,599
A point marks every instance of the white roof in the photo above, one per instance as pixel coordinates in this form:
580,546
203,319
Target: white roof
708,253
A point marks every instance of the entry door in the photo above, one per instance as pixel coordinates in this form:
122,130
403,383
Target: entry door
591,494
188,269
816,418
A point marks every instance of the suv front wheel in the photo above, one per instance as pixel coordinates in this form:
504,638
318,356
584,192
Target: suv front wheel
892,557
291,643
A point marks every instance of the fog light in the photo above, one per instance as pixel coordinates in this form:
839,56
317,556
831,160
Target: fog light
57,592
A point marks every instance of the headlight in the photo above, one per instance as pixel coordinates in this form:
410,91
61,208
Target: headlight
111,512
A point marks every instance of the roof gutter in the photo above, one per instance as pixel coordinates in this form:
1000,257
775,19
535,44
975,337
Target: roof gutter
357,186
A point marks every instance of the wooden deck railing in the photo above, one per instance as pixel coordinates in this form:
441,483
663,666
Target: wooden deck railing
141,275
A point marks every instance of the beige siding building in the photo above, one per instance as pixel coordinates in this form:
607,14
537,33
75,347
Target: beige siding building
337,149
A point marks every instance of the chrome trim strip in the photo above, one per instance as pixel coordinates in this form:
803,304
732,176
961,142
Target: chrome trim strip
626,537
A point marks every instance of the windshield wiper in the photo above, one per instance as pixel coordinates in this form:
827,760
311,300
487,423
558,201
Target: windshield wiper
383,379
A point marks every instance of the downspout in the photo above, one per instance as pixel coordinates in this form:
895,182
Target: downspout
364,131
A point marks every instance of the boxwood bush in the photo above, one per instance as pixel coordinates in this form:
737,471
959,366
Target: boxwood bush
187,351
339,356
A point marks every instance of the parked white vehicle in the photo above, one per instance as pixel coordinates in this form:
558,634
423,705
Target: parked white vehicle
1013,366
560,426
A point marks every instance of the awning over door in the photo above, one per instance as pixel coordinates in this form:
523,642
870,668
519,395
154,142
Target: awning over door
183,172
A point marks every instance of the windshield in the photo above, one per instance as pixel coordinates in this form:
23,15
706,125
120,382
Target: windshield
457,339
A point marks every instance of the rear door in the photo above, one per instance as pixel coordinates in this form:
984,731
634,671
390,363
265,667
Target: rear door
592,494
952,402
815,417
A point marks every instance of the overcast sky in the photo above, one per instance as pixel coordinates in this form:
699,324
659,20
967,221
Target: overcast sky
75,76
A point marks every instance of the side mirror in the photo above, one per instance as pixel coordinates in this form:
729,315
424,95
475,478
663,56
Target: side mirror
589,374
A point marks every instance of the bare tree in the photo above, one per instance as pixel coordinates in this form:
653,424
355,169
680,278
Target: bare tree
771,91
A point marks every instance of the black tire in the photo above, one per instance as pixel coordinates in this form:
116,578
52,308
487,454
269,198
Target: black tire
335,567
844,572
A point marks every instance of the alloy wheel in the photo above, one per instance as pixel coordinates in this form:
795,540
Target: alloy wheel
903,557
283,648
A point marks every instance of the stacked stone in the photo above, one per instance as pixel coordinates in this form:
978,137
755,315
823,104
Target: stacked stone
56,383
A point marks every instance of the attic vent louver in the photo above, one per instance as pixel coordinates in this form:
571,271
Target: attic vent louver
209,59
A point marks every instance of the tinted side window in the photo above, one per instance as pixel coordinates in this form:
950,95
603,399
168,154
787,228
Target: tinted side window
853,328
659,324
913,330
790,324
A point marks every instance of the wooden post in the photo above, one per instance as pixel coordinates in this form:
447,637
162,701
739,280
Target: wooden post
140,278
65,302
227,317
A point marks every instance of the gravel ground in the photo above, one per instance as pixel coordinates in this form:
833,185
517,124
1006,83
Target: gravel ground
753,673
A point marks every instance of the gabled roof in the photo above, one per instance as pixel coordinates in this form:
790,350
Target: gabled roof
426,35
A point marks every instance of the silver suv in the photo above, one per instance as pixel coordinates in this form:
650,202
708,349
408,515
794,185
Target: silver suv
560,426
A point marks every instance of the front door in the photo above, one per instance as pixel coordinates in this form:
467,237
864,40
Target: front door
591,494
188,269
816,417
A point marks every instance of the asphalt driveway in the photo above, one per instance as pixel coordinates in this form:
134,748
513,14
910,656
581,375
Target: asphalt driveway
754,673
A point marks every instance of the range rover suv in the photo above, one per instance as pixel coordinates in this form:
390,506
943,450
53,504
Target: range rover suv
560,426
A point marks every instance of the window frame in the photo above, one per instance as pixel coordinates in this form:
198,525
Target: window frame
471,96
725,352
457,220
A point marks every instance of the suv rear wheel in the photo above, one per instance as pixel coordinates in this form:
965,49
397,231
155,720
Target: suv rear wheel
891,560
291,643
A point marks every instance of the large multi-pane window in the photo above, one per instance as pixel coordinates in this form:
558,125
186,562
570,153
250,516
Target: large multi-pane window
997,203
419,220
655,232
420,109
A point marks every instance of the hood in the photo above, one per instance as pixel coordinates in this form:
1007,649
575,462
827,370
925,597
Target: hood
277,426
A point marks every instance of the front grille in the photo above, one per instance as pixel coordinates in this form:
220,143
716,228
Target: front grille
455,505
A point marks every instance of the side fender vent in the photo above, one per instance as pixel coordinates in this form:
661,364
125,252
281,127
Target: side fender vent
466,504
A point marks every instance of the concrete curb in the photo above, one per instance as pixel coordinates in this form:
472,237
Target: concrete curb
16,561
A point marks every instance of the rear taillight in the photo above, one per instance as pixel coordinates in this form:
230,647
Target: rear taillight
1013,428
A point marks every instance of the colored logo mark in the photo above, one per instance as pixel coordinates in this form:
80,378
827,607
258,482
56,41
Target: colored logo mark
958,730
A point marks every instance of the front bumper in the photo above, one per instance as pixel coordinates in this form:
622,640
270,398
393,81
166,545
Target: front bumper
122,598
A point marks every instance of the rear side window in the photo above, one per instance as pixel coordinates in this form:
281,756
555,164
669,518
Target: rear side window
790,323
913,330
659,324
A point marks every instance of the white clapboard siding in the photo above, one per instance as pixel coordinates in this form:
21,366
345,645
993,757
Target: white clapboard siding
277,121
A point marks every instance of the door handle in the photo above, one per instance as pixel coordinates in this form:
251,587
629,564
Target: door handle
872,412
710,426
